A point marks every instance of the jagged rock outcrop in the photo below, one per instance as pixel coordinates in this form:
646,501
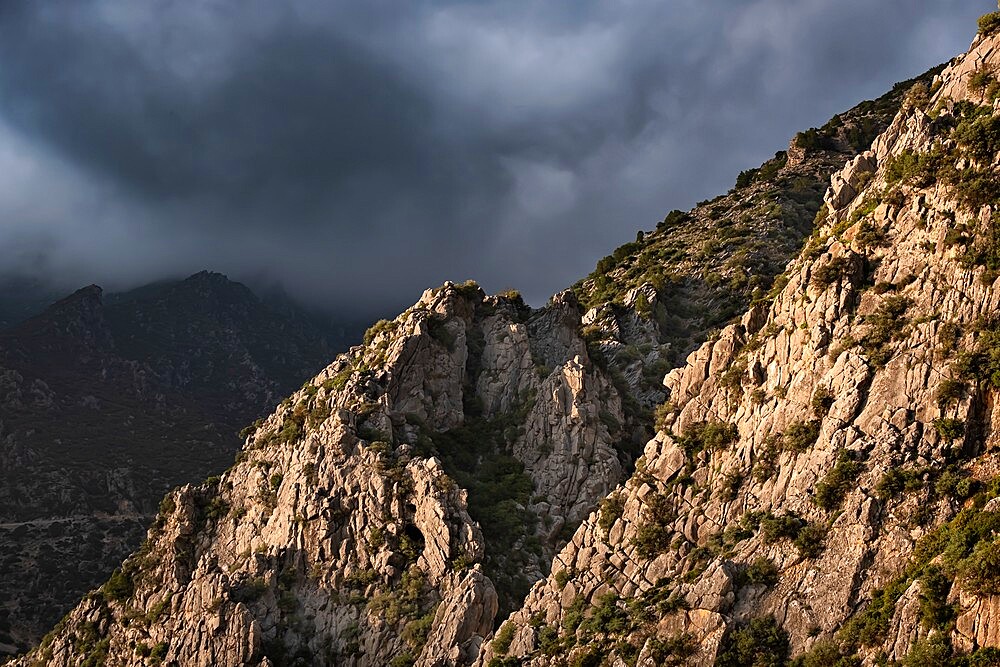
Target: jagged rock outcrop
339,536
824,479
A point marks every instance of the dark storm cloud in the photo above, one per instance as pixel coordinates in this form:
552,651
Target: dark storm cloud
358,153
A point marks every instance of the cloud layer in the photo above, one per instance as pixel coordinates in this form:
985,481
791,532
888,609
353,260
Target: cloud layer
359,152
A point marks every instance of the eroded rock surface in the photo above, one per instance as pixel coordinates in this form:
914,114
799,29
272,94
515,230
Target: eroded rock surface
817,456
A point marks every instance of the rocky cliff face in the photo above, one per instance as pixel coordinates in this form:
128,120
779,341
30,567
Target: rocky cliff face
824,480
341,535
106,402
820,481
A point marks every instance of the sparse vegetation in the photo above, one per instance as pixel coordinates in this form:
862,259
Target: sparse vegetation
827,274
989,23
119,586
760,643
896,481
656,530
821,403
885,325
729,486
707,435
949,428
830,491
762,572
503,638
801,436
612,509
810,540
777,527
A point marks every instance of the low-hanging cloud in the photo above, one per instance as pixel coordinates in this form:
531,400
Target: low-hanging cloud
359,152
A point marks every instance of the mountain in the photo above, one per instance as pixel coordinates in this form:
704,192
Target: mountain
22,297
824,479
466,487
106,404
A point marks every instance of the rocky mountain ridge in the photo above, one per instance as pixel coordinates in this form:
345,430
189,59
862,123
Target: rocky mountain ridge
387,510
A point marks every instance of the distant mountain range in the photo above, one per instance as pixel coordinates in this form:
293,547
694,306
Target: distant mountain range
107,402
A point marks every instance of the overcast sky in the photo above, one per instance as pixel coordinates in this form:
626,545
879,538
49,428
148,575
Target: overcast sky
360,152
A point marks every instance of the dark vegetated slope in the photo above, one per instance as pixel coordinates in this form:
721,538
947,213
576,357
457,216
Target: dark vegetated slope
107,403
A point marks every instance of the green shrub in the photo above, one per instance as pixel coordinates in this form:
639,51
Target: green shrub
886,324
504,637
253,589
766,462
810,540
989,23
830,491
921,170
439,331
672,219
928,652
656,531
935,612
292,427
980,136
814,139
869,235
949,390
821,403
562,578
158,652
276,480
404,659
119,586
827,274
826,653
707,435
607,617
746,178
896,481
949,334
661,416
982,80
918,96
988,656
612,509
954,483
762,571
729,487
980,572
415,632
732,378
761,643
158,609
574,615
548,640
777,527
982,363
870,626
674,651
801,435
902,167
589,656
949,428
